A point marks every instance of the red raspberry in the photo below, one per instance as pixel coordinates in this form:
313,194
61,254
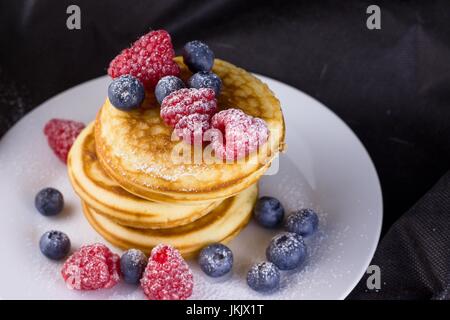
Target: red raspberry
190,128
61,134
149,59
92,267
184,102
167,276
240,134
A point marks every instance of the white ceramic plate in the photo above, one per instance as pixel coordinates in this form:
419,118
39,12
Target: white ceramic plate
325,167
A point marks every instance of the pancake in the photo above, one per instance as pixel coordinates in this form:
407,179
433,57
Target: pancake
221,225
104,195
135,148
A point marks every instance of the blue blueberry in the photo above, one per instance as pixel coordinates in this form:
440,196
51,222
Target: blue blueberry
49,202
126,93
132,265
303,222
263,276
54,245
166,85
287,251
269,212
206,79
198,56
216,260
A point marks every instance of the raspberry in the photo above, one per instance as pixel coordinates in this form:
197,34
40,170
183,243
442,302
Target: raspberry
184,102
190,128
167,276
61,134
92,267
240,134
149,59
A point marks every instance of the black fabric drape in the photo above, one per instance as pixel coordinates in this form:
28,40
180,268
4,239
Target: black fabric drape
414,256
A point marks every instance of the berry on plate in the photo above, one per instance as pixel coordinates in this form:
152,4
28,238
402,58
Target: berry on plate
240,134
126,93
287,251
216,260
54,244
92,267
49,202
206,79
303,222
198,56
167,276
132,265
61,135
149,59
186,101
263,276
166,85
268,212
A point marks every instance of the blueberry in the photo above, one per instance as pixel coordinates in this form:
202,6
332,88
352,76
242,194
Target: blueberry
132,265
126,93
206,79
303,222
268,212
287,251
166,85
216,260
54,245
198,56
263,276
49,202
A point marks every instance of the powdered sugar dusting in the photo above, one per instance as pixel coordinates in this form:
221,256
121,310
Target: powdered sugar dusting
149,59
135,256
190,128
186,101
126,91
91,267
285,242
61,135
167,276
241,134
166,173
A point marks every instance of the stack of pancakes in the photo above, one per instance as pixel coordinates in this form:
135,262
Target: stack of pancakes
136,196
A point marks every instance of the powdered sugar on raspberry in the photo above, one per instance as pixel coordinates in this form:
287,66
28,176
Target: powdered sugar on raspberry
240,134
167,276
188,101
191,127
92,267
149,59
61,135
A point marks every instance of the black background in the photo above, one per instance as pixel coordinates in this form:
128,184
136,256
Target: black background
391,86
